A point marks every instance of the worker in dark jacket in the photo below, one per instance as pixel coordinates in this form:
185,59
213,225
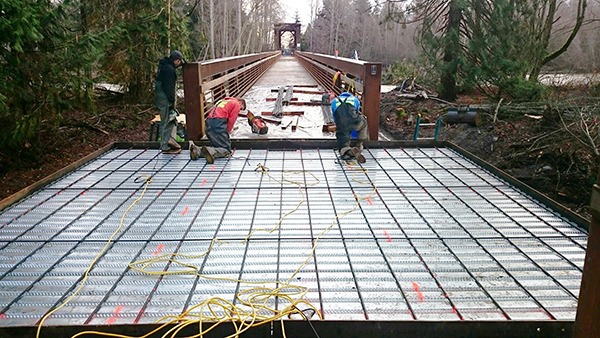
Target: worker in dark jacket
219,124
166,79
348,118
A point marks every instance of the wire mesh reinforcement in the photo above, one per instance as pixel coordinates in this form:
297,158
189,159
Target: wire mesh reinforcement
412,234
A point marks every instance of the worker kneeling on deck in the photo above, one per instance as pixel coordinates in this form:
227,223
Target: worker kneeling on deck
219,123
347,117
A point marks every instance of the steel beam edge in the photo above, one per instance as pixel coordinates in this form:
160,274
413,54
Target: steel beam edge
588,306
425,329
325,328
132,330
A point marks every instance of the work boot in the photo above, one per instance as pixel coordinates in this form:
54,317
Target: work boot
359,157
194,151
209,158
172,151
360,146
173,144
347,157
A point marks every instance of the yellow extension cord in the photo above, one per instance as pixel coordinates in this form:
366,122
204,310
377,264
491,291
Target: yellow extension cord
253,302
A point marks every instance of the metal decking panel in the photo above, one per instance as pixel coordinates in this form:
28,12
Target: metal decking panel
433,237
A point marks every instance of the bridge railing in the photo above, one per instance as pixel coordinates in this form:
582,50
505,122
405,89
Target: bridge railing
364,76
205,83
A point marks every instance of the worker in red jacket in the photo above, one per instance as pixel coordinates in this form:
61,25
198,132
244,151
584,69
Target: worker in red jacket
219,123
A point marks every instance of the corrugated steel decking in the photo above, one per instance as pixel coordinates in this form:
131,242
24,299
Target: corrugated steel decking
433,237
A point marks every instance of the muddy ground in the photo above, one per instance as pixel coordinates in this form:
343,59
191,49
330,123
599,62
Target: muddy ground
559,168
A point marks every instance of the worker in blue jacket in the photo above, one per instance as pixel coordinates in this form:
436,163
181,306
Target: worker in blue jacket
348,118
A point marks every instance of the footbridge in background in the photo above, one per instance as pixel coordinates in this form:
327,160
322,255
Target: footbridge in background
258,78
284,239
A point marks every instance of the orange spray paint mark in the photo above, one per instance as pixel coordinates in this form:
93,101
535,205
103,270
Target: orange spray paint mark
203,183
389,238
115,315
416,287
185,211
159,249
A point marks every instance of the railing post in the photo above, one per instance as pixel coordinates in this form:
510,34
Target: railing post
371,97
587,320
194,100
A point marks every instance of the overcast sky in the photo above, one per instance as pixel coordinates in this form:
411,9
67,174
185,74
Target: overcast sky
303,8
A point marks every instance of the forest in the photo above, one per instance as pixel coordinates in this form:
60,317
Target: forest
55,52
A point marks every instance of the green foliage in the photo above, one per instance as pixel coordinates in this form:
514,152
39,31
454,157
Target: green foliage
494,50
520,89
20,23
401,113
53,52
397,72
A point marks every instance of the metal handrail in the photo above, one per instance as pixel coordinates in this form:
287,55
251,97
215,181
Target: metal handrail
205,83
364,76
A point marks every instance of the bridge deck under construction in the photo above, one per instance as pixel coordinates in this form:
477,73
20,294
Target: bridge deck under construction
414,235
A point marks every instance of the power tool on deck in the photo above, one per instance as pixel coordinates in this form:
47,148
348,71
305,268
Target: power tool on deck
257,123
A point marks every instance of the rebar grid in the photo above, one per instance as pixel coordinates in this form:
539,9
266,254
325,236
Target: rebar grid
413,234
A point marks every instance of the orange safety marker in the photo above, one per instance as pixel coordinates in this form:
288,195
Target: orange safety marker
389,238
115,315
415,286
159,249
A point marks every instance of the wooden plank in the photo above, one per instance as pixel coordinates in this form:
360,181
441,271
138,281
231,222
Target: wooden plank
271,99
271,119
308,92
285,113
329,128
300,103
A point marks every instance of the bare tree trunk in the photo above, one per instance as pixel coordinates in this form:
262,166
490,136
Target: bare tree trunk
448,78
547,32
224,33
331,27
212,29
239,27
313,12
169,25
